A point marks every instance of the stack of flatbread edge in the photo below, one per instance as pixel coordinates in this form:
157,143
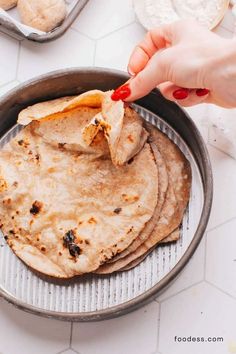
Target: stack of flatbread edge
88,186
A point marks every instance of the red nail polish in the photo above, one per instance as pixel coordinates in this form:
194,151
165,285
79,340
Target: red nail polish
202,92
181,94
121,93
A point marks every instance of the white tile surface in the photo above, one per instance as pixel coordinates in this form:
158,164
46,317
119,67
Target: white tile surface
199,115
6,88
222,129
224,176
9,48
107,17
221,257
73,49
24,333
133,333
105,35
68,351
114,50
201,311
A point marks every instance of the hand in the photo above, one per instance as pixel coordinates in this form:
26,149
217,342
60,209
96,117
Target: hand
185,55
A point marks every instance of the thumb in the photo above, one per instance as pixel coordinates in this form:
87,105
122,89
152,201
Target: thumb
155,72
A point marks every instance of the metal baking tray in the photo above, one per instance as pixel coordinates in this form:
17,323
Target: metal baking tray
8,27
95,297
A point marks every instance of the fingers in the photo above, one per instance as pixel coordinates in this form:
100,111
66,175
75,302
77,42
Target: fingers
192,98
154,40
154,73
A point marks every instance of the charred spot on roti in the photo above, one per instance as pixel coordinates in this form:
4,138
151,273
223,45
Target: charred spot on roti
130,161
68,238
37,157
23,143
61,145
96,121
74,249
130,230
36,207
6,237
117,210
43,248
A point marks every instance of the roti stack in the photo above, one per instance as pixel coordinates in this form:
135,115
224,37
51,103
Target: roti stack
88,186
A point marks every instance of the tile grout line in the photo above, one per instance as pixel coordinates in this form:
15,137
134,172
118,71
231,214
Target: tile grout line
221,224
82,34
8,83
158,328
71,334
95,52
223,152
226,29
18,61
180,291
105,35
118,29
220,289
205,257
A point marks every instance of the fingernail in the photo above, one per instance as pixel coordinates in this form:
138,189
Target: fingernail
202,92
121,93
181,94
130,72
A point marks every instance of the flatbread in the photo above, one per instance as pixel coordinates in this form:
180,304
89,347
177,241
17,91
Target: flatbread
174,236
53,191
162,189
177,197
122,128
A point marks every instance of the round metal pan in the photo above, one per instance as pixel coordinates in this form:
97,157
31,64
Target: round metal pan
97,298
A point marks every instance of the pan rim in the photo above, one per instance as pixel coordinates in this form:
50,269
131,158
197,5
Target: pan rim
166,281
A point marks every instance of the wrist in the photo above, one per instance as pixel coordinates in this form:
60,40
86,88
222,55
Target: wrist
221,65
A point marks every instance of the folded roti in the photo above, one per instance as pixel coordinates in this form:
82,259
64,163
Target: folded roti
123,129
65,209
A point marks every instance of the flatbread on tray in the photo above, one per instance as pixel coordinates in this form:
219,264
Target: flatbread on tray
177,196
174,236
65,210
87,186
162,189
